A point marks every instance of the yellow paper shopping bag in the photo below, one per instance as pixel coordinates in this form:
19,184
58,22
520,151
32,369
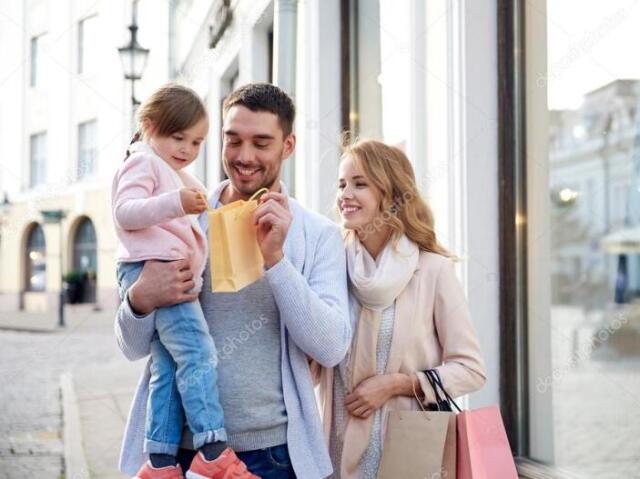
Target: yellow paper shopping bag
236,259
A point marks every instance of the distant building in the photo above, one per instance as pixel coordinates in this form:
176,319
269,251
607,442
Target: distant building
592,185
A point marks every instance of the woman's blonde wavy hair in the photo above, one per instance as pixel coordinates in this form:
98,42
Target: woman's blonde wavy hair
401,206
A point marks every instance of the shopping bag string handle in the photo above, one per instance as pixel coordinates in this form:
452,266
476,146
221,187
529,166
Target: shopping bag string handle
436,383
254,196
415,394
260,192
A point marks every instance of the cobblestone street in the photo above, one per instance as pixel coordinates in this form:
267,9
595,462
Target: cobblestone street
31,365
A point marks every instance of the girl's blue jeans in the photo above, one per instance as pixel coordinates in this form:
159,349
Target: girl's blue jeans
183,375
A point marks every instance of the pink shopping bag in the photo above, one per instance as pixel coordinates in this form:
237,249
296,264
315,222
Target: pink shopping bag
483,447
483,450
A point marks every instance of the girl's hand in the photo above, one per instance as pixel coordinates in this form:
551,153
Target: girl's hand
193,201
370,395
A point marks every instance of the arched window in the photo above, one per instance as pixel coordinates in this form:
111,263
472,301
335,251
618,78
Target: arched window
36,270
84,247
85,258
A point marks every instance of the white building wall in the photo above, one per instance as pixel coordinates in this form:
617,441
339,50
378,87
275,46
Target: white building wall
61,100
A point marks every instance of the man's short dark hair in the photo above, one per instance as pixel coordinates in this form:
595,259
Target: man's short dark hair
264,97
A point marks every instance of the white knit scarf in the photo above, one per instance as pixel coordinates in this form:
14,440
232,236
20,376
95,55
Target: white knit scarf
376,284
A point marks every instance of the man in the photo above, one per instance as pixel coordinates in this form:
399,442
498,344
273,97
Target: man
266,333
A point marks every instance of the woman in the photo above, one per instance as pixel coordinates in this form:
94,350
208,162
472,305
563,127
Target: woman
408,310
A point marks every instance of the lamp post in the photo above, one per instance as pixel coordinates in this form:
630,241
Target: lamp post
5,206
56,217
133,58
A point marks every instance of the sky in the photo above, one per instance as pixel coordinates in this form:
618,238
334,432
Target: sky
590,43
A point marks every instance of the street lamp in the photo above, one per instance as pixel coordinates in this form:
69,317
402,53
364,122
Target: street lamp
133,56
5,207
56,217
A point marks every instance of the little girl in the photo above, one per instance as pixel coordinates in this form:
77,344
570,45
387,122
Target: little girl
155,203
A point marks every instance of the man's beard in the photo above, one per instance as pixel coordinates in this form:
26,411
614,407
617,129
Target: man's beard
267,182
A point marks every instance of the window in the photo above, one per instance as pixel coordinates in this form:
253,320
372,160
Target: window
200,165
36,279
87,148
380,69
35,60
87,45
579,376
38,160
229,82
84,247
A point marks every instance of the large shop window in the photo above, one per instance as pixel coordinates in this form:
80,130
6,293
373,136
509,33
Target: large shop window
583,236
380,67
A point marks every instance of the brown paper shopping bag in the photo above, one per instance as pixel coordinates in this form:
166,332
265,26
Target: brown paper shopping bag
236,259
449,458
415,445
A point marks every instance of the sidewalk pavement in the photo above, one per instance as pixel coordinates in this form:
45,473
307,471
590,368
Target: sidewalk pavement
29,322
103,395
75,316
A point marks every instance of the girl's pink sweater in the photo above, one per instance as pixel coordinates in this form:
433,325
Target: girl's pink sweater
148,215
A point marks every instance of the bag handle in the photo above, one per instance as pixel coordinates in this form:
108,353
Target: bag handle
254,196
260,192
415,394
436,383
441,404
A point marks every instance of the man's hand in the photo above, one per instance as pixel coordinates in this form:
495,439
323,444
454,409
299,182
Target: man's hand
273,219
193,201
161,284
370,395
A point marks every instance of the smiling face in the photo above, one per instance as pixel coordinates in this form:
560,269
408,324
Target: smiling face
253,149
357,199
181,148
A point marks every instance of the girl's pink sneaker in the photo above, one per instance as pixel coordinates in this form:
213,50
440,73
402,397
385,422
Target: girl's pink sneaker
226,466
147,471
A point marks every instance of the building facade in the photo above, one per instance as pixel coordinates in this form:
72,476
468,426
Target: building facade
591,154
65,121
